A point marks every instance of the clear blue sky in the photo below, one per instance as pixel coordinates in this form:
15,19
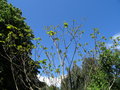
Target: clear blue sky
104,14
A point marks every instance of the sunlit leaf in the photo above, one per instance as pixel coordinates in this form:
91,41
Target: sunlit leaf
65,25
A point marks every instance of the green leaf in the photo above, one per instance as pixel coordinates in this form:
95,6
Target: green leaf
29,35
51,33
74,61
103,37
9,27
37,39
79,44
56,39
65,55
1,34
21,35
57,70
86,43
95,29
65,25
2,41
93,36
45,48
60,51
28,30
42,61
19,47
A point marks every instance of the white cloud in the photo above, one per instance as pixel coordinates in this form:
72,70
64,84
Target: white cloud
114,37
56,81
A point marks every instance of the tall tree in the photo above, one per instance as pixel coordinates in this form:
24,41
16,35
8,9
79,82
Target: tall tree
74,80
17,69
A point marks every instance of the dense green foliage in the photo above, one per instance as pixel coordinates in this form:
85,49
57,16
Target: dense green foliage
17,70
74,80
94,76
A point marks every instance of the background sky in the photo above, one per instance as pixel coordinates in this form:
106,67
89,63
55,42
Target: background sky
102,14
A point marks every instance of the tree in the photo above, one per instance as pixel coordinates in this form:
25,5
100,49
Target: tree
74,80
106,74
110,63
17,69
65,39
92,74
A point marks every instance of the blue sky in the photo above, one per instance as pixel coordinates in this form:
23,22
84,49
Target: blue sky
103,14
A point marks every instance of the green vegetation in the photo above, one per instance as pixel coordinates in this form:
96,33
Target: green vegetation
100,68
17,70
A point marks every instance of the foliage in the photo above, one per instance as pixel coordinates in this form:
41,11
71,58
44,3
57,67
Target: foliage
17,70
100,70
74,79
110,62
